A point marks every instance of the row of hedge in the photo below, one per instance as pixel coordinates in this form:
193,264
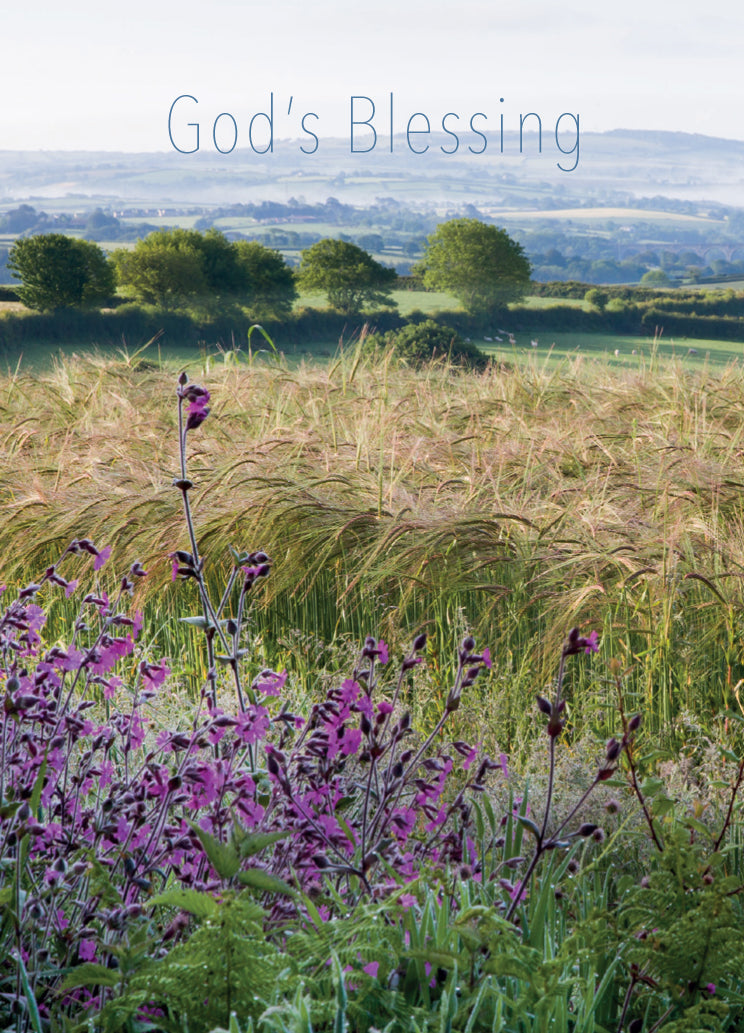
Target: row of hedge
135,325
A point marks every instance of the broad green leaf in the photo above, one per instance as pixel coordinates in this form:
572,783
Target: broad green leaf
201,905
255,842
262,881
90,974
223,856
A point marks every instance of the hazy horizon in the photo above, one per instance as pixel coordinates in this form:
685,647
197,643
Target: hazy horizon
83,78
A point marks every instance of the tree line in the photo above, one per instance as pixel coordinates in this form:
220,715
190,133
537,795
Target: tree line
180,269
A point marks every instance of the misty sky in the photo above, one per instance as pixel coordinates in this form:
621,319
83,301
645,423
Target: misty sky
88,75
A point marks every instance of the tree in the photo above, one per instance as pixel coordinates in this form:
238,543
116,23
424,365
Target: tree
655,278
480,264
57,271
348,275
270,282
597,299
175,268
161,271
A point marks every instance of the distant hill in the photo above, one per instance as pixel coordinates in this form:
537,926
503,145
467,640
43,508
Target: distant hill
613,167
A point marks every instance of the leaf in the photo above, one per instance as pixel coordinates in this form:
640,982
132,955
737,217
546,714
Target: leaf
33,1007
201,622
662,805
698,826
255,842
199,904
196,622
90,974
223,856
528,823
345,829
264,882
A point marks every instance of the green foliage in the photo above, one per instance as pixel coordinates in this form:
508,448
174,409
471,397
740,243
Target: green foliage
270,282
681,930
226,965
480,264
176,268
419,343
60,272
165,268
347,274
597,298
655,278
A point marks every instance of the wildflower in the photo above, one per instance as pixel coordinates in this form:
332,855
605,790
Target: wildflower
576,643
198,409
270,683
487,658
101,557
87,950
371,969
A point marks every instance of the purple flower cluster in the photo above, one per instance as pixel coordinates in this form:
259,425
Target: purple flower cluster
99,810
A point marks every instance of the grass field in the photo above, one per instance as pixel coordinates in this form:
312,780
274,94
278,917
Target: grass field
516,503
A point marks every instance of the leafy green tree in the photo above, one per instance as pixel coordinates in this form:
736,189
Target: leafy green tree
655,278
480,264
270,282
596,298
177,268
57,271
161,270
348,275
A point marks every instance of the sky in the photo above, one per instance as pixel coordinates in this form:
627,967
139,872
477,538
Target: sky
86,75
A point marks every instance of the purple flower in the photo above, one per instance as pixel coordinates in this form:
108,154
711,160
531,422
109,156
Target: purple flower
576,643
270,683
101,557
382,652
70,588
371,969
711,988
198,409
487,658
87,950
155,674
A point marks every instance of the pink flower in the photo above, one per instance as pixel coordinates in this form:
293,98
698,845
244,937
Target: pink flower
87,950
382,652
270,683
372,968
384,707
101,557
70,588
592,643
487,658
470,758
155,674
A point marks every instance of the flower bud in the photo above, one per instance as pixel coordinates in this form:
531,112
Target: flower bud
587,829
613,750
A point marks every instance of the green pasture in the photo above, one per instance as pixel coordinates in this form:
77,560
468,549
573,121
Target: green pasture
626,350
